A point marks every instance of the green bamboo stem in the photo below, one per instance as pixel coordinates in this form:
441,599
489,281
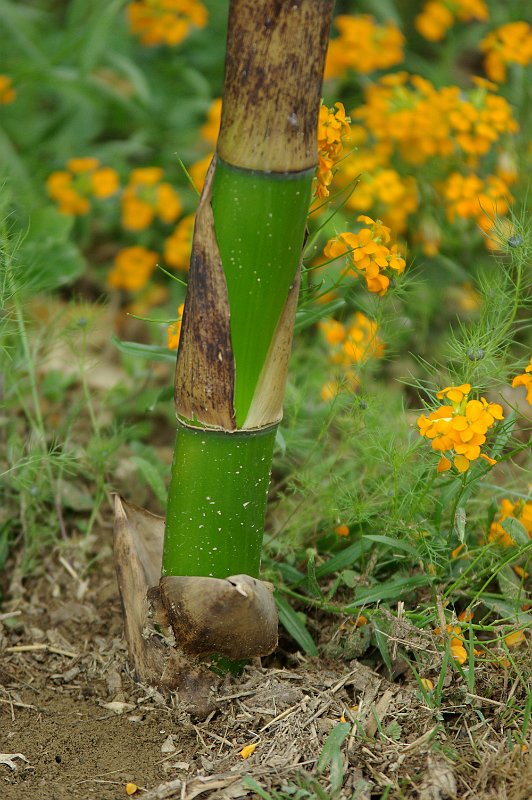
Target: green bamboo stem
225,477
243,284
259,220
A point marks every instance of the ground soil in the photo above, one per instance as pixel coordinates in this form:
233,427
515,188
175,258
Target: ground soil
76,726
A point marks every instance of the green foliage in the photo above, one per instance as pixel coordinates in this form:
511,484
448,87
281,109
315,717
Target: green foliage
86,87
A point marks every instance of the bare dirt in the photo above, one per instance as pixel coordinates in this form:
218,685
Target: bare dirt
76,726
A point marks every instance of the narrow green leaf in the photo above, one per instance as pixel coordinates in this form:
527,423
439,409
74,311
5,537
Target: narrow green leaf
307,317
152,477
97,33
311,583
249,783
148,351
381,640
342,560
291,622
389,590
460,523
394,544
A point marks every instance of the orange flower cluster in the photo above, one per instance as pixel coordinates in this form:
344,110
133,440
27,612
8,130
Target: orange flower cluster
165,21
509,44
178,246
381,188
333,126
145,197
132,268
409,113
369,253
7,92
174,330
460,428
363,46
525,380
82,180
437,16
352,342
521,511
470,197
409,137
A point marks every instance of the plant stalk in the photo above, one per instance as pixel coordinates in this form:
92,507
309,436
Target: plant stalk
243,286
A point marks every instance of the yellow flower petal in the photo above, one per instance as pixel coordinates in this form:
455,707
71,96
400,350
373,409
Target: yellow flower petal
459,653
514,639
131,788
461,463
248,750
443,464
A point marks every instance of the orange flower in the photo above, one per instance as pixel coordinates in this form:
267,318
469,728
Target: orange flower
437,17
209,131
508,44
146,197
460,428
525,380
174,330
363,46
199,169
104,182
132,268
73,188
178,246
165,21
521,511
515,639
7,93
368,252
333,127
249,749
471,197
342,530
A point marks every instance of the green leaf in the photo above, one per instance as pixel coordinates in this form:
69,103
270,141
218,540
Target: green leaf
249,783
460,523
47,257
153,478
510,584
149,351
292,623
49,222
390,541
311,583
508,611
389,590
342,560
306,317
381,640
331,755
163,396
100,29
50,264
516,530
393,730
